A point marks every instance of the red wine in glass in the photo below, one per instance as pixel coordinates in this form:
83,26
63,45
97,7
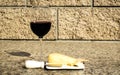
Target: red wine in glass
40,28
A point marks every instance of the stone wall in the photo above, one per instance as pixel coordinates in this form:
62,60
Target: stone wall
71,19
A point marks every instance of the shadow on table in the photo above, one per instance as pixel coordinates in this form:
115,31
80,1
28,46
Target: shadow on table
18,53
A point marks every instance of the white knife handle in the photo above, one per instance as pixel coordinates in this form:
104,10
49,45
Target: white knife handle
34,64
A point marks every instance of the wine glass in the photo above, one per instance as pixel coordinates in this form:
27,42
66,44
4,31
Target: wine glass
40,28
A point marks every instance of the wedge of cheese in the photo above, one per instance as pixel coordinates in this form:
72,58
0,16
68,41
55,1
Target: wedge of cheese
59,59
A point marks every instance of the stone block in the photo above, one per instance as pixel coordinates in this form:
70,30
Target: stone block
107,2
59,2
12,2
106,23
74,23
15,22
79,23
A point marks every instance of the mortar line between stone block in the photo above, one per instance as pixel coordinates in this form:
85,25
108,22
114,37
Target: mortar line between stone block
62,40
69,6
26,3
12,6
92,12
106,6
28,6
119,33
77,40
92,3
57,26
27,39
58,6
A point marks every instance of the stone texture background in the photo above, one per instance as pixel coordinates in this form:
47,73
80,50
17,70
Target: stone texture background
11,2
107,2
15,22
58,2
71,19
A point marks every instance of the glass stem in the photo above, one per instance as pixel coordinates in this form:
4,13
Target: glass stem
41,48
